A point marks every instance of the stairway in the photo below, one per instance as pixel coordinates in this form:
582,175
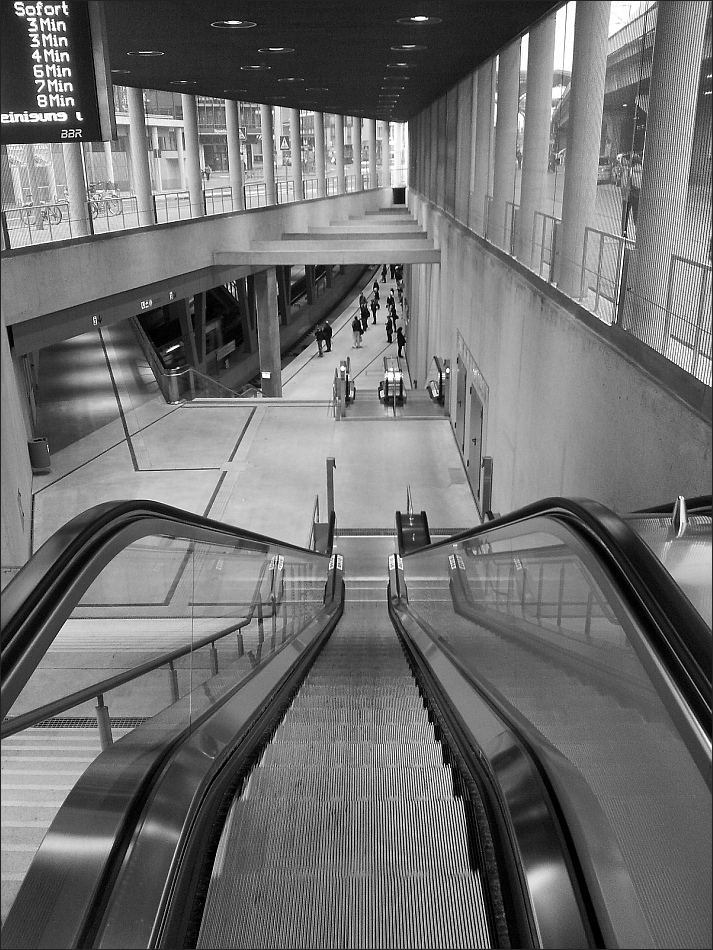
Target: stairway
38,769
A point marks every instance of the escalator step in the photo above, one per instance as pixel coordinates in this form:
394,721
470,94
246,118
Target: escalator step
347,832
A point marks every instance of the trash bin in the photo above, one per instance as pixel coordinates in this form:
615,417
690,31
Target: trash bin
39,455
399,195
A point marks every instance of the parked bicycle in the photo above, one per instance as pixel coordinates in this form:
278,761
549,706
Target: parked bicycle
104,200
49,213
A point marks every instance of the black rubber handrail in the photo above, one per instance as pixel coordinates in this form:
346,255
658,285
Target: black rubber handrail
675,629
700,504
43,593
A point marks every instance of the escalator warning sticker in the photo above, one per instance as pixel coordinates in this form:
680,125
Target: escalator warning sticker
340,562
399,562
392,562
452,561
331,562
461,564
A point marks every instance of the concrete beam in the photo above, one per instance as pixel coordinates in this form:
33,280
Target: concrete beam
317,252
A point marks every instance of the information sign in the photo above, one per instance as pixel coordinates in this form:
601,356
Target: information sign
55,85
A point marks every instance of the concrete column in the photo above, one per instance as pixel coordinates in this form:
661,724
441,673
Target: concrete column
339,152
235,159
268,332
505,162
156,147
310,283
484,140
586,103
199,312
193,158
385,154
180,310
536,141
675,68
268,152
246,300
77,188
181,157
109,157
356,152
371,142
320,164
140,156
296,153
283,298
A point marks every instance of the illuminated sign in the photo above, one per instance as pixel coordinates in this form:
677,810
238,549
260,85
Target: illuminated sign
147,304
55,85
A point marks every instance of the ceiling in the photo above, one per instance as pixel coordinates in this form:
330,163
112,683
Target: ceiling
341,60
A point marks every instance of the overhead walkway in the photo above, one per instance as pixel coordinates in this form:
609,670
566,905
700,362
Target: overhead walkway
504,741
364,239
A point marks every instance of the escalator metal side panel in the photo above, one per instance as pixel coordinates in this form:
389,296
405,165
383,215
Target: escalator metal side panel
547,878
151,882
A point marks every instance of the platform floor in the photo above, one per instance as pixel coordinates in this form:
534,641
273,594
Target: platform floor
260,464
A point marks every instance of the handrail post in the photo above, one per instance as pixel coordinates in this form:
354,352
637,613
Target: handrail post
331,465
103,723
213,659
173,677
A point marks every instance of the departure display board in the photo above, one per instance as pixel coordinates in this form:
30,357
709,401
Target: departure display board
54,79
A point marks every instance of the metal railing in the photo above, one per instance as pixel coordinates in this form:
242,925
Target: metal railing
601,284
547,243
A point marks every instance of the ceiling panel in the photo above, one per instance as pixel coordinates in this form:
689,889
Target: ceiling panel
342,57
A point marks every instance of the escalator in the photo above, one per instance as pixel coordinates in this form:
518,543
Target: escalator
525,763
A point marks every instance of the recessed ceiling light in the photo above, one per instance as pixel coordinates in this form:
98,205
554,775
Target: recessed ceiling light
145,52
255,66
232,24
408,48
121,72
277,49
233,91
399,65
183,82
291,79
419,20
396,78
317,89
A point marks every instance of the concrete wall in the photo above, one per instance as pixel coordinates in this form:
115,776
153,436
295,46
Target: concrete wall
574,407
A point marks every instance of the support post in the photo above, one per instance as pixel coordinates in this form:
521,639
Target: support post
104,723
331,465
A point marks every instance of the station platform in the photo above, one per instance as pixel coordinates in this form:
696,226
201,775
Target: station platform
260,464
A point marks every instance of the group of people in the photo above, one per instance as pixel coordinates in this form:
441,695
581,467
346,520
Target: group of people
360,323
323,336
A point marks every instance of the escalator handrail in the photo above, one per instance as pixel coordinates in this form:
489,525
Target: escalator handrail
43,593
700,504
15,724
680,636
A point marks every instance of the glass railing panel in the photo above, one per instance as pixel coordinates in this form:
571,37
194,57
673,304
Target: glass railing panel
536,621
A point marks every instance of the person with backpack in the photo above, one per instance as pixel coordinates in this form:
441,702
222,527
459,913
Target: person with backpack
374,308
356,331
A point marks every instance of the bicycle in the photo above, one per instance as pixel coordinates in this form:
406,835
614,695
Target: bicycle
104,203
52,214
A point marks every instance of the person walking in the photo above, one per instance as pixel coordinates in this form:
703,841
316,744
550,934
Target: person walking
400,341
383,274
389,329
635,185
356,332
362,300
327,334
364,318
374,308
624,182
319,337
376,289
392,270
